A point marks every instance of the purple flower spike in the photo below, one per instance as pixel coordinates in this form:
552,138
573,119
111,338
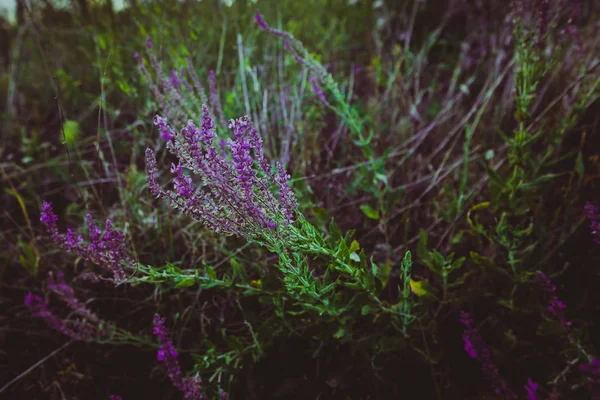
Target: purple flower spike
531,389
260,20
106,249
235,195
174,79
168,355
593,216
476,348
555,306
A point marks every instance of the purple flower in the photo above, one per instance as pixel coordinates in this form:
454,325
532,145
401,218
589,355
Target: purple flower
593,216
166,133
106,249
174,79
260,20
115,397
555,306
82,324
235,194
214,98
316,89
476,348
168,355
531,389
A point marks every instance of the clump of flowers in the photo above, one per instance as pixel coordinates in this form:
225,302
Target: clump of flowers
234,196
85,326
168,355
476,349
555,306
106,249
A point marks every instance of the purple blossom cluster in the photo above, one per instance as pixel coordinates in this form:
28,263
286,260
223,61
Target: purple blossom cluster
177,98
86,326
234,196
555,306
106,249
476,349
593,216
168,355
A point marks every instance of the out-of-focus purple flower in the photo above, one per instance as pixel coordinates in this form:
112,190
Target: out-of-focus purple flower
82,323
214,98
476,348
260,20
317,90
593,215
168,355
115,397
166,133
106,250
174,79
531,389
555,306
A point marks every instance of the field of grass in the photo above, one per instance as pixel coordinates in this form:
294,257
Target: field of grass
319,199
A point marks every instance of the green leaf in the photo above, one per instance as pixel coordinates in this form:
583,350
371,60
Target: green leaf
421,288
210,272
369,211
239,271
71,132
369,309
186,282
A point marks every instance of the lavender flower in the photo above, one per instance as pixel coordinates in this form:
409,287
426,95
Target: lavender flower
176,97
555,306
476,349
316,89
593,216
168,355
87,326
214,98
531,389
234,196
105,249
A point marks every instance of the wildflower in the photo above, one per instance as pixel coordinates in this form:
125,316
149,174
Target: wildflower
555,306
168,355
531,389
177,98
260,20
235,196
86,327
104,249
476,349
316,89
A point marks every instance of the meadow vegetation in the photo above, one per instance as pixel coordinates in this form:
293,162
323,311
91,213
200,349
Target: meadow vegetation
279,199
